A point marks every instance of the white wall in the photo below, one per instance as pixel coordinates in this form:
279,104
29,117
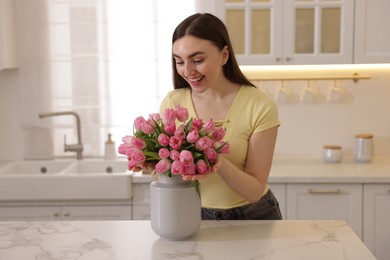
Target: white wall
364,108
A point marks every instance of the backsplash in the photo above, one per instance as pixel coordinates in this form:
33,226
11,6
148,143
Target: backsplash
307,126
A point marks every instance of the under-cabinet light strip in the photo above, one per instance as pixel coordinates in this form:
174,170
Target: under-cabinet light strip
355,77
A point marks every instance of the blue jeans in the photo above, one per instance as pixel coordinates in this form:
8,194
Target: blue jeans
267,208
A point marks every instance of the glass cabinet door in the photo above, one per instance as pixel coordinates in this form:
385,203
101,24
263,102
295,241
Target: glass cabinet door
254,27
318,31
329,26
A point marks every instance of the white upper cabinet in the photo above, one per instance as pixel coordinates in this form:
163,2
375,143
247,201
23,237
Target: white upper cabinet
372,35
305,31
288,31
7,37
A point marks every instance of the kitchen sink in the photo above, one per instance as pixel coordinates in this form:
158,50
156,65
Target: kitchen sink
98,167
34,167
40,180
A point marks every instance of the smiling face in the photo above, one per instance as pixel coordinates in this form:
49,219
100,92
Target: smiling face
199,62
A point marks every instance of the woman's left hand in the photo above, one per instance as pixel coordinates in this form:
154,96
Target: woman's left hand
202,176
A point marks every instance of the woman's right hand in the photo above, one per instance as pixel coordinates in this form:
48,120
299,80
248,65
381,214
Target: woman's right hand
146,167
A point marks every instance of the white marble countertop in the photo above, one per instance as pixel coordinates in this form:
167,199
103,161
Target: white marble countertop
316,171
135,240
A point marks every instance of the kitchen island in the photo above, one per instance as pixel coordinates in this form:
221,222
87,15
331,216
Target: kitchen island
135,240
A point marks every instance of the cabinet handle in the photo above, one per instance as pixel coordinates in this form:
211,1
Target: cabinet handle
288,59
278,59
67,214
316,191
56,215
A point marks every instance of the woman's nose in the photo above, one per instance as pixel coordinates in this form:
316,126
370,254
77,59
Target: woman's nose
188,69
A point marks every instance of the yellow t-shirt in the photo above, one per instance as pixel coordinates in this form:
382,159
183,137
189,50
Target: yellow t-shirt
252,111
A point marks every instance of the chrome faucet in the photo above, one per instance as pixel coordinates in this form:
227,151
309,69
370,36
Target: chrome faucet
78,148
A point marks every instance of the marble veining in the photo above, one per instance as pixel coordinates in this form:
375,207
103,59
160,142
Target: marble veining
135,240
41,240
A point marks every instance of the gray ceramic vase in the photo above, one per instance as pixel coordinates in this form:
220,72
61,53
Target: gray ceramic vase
174,207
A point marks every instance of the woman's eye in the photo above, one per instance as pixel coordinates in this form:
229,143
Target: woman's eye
179,62
198,61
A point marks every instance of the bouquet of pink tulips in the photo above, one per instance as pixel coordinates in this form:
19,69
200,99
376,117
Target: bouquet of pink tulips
178,145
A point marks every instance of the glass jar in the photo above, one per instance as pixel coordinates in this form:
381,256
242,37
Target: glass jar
363,148
332,153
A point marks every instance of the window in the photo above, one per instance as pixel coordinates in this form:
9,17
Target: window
110,61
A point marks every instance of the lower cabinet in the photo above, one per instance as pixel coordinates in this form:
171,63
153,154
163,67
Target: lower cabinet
376,227
141,212
326,201
78,212
141,201
119,212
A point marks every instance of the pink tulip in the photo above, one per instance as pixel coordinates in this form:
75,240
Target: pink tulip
163,166
170,128
134,142
138,123
169,116
211,154
163,153
147,128
163,139
131,164
138,143
175,142
174,155
203,143
181,113
192,136
127,139
122,148
186,158
180,132
202,167
197,123
218,134
176,167
155,117
189,170
135,157
225,147
209,126
151,123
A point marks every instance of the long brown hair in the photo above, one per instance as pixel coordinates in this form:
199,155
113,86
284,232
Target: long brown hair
208,27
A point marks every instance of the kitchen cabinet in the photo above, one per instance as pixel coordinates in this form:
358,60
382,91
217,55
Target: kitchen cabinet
287,32
376,219
141,201
7,35
69,212
372,37
326,201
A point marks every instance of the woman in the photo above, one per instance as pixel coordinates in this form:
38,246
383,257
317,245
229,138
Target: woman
209,83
